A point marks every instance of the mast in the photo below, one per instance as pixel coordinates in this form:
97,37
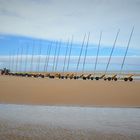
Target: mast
126,50
86,52
26,59
12,64
32,57
16,69
58,53
39,57
99,44
48,59
54,59
66,55
82,46
48,47
9,60
70,53
112,50
20,66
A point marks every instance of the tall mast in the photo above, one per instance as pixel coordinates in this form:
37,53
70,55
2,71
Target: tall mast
54,59
80,53
48,47
85,53
126,50
26,59
49,53
58,53
66,55
20,66
32,57
39,57
9,67
112,50
12,64
70,53
97,52
16,69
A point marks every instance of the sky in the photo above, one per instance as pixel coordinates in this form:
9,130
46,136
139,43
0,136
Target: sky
25,21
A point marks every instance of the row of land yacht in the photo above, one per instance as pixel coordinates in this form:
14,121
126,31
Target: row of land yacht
68,76
71,75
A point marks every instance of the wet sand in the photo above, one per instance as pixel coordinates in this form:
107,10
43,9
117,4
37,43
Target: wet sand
21,90
31,122
38,122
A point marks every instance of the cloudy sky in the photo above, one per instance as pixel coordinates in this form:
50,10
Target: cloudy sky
60,19
55,19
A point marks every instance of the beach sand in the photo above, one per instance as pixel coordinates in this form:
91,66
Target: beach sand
22,90
33,122
54,118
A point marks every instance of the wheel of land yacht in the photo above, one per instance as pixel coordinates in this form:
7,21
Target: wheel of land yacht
75,77
84,78
130,79
115,79
29,75
42,76
97,78
125,79
109,78
62,77
91,78
66,77
35,75
105,79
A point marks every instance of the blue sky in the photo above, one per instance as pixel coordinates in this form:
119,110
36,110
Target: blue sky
21,45
11,43
28,21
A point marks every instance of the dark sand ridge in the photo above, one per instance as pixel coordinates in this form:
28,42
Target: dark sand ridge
21,90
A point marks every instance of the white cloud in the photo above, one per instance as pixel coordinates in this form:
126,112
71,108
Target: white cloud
55,19
130,60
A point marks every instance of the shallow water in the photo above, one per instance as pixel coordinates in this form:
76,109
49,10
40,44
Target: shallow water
61,122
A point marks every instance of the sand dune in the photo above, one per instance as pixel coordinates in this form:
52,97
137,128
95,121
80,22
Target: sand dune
21,90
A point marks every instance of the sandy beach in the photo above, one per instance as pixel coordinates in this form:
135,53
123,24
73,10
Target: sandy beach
67,109
22,90
33,122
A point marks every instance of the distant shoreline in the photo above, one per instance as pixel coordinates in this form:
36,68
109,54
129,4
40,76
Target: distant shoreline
73,106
